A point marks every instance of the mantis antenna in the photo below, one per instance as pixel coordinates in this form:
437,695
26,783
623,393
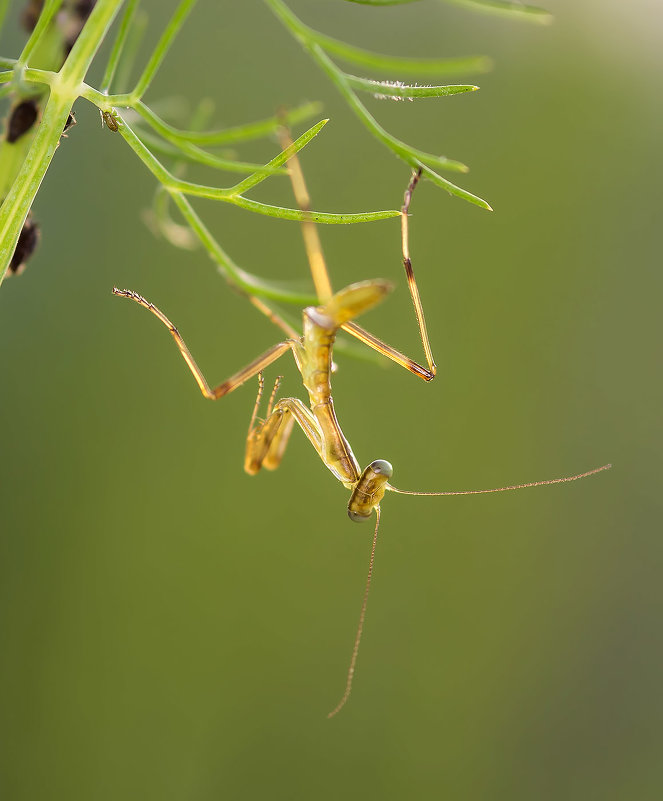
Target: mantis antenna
505,489
360,627
362,615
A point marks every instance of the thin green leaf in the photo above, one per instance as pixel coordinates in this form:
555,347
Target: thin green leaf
282,158
4,5
452,189
194,154
381,2
252,130
51,7
126,24
163,45
507,7
244,281
130,53
409,154
158,218
315,216
465,65
176,185
400,91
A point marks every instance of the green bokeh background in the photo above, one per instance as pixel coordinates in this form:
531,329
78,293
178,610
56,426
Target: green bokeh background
172,628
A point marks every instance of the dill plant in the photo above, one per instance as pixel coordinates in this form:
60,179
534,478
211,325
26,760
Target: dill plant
49,75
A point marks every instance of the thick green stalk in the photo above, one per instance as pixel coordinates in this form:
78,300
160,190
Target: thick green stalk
65,87
89,41
22,193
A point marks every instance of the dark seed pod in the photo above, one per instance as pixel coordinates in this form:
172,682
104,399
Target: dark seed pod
27,243
21,119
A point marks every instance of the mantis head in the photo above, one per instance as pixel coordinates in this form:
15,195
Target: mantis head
369,490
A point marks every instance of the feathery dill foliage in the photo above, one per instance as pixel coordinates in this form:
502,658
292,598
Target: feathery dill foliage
48,76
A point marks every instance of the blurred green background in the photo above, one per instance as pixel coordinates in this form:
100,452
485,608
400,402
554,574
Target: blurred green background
174,629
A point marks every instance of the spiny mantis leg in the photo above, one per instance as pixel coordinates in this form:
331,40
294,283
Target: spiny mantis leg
272,397
273,317
267,441
256,405
313,247
377,344
251,369
322,282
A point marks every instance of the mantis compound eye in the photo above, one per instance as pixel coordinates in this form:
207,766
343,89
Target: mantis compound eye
358,517
382,468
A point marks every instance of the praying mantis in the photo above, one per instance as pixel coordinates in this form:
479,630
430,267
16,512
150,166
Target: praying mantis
312,351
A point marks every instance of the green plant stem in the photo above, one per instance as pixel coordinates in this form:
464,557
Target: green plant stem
403,66
22,192
4,5
240,133
131,49
64,89
507,9
43,23
177,234
191,153
242,280
415,158
118,45
106,102
230,195
282,158
88,42
176,22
